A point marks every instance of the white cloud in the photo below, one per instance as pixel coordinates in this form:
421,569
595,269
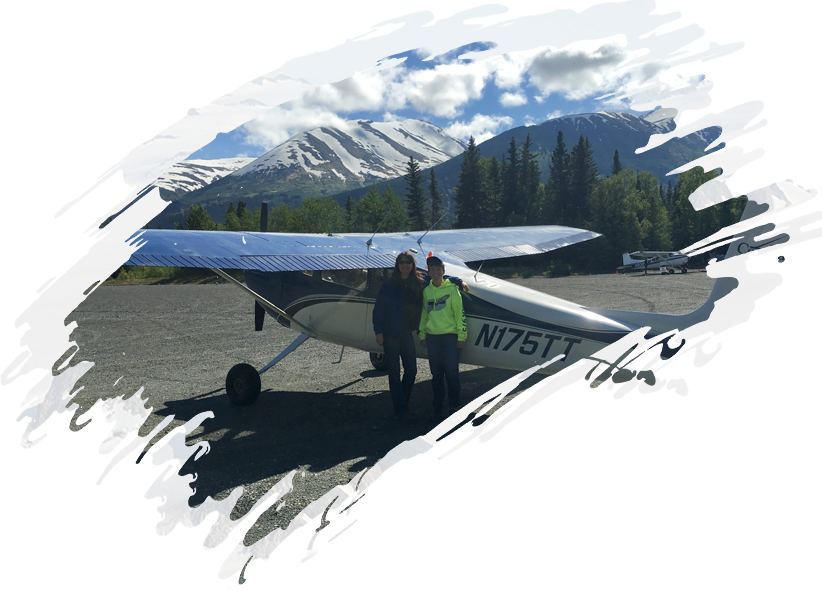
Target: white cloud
513,99
446,90
553,115
587,68
482,127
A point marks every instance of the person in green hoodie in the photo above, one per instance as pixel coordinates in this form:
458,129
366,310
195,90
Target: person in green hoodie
443,333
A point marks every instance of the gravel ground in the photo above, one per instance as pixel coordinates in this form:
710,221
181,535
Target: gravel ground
327,419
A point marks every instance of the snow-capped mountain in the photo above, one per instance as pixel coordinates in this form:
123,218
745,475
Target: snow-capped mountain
606,133
316,163
360,151
200,125
656,121
191,175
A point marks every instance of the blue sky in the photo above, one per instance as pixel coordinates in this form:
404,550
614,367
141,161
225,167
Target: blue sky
756,49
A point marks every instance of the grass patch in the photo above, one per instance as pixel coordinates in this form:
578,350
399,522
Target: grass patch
166,275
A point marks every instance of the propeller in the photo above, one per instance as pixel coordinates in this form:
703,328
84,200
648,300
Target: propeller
259,310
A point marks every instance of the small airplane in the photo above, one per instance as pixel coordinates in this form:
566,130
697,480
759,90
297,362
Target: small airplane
653,260
324,286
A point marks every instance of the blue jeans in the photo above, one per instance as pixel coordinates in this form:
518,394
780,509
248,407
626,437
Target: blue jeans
400,348
444,360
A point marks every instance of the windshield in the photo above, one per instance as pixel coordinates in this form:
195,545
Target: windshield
354,278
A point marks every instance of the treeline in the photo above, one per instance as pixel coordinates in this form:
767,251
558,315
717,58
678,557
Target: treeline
633,210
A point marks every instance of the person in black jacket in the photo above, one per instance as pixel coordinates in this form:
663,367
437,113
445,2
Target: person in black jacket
396,316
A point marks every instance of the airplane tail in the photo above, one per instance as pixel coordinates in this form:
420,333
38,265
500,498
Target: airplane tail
626,259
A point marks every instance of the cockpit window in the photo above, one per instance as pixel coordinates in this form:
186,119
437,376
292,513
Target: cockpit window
355,278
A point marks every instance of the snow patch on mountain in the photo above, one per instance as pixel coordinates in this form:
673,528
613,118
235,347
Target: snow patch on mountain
190,175
359,150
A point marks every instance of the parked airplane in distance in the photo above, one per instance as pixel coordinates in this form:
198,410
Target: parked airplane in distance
644,260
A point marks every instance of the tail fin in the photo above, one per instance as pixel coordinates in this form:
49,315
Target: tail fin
626,259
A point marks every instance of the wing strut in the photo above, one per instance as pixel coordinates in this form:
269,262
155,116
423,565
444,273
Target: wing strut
265,302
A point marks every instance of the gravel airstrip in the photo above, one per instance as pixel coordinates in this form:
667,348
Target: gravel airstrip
314,415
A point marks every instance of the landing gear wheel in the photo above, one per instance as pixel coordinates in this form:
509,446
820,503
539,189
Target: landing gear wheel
684,270
379,361
243,384
671,271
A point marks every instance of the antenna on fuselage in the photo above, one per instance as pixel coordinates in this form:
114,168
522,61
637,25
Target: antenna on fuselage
419,242
479,269
370,243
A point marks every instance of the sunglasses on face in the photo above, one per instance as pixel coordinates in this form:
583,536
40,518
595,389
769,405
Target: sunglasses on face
405,262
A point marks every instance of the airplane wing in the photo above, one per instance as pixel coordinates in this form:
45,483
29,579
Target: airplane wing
290,252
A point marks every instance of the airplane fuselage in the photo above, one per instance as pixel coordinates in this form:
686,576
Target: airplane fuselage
655,263
509,326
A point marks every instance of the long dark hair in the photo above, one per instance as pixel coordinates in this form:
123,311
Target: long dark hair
396,276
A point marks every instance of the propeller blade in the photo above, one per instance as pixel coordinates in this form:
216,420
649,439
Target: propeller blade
259,316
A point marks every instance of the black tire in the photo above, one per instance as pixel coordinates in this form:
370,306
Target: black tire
242,384
379,361
684,270
671,271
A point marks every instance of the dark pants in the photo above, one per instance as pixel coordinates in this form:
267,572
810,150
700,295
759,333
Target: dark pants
444,360
400,348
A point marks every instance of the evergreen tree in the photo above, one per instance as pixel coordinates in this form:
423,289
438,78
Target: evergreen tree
436,200
369,211
198,218
669,196
510,182
530,207
558,180
349,214
230,210
503,174
582,178
415,196
241,210
469,194
396,219
658,237
616,167
493,192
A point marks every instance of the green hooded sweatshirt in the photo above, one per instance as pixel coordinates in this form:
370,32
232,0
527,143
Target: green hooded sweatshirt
442,311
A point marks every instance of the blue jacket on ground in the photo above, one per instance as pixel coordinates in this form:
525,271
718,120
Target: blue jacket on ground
387,317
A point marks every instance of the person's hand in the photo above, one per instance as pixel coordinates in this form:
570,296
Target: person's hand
465,288
460,344
422,343
379,339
